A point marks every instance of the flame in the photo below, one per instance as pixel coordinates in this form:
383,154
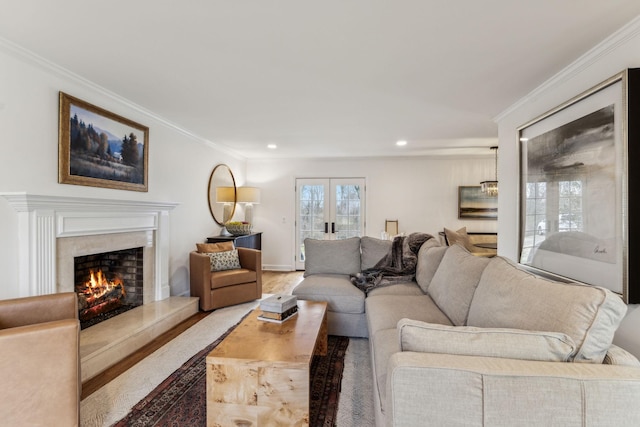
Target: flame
98,285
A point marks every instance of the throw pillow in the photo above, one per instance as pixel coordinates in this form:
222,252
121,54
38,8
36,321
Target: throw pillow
458,237
455,281
214,247
227,260
425,337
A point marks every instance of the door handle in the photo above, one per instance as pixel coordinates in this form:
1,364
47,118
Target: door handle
326,227
333,227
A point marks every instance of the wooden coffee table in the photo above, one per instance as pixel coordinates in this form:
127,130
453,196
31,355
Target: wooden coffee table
259,374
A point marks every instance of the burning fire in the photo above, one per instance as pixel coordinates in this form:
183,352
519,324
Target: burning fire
99,295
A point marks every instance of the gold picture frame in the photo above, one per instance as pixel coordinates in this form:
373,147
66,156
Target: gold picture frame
391,227
98,148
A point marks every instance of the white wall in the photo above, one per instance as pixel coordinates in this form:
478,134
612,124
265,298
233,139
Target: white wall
620,51
421,193
179,164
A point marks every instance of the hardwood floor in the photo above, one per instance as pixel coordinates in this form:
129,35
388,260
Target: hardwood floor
278,282
273,282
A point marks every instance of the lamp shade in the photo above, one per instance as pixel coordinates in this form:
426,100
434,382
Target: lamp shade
225,195
248,195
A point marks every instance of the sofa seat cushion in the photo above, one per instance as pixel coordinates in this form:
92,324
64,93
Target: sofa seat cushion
425,337
384,311
508,297
336,289
224,278
401,288
332,256
455,281
383,344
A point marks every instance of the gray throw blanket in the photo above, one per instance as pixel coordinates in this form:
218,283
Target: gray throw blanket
399,265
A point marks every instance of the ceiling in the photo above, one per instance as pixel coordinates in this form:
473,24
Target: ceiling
330,78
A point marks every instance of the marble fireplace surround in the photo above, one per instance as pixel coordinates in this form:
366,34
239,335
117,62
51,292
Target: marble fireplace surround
52,230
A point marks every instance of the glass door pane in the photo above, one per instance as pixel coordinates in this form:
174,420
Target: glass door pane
312,213
347,208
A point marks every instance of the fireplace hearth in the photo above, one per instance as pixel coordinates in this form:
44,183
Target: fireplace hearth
108,284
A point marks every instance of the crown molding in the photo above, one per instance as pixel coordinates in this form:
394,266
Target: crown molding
602,49
44,64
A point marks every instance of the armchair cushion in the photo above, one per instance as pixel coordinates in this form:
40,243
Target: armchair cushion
425,337
214,247
221,279
226,260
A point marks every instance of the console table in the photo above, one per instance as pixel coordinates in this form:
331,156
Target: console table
252,241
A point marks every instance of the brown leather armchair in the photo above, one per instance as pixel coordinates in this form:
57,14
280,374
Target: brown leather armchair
218,289
40,361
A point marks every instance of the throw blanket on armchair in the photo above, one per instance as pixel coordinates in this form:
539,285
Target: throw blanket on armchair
399,265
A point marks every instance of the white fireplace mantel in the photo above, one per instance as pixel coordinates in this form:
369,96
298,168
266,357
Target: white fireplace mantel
43,219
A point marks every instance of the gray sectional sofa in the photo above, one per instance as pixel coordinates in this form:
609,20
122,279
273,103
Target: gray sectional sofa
477,341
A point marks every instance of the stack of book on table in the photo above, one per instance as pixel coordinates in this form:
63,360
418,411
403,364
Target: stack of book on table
278,308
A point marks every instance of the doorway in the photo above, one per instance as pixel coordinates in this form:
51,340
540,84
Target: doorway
328,209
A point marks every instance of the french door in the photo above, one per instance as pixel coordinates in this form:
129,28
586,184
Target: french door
328,209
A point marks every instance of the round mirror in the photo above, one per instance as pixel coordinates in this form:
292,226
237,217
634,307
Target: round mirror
221,194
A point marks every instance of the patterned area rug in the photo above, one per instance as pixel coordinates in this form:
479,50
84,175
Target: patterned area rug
180,400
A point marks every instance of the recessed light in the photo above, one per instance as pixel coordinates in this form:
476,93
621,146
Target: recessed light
401,143
272,146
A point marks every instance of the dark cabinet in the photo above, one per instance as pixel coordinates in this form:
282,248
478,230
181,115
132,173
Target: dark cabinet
252,241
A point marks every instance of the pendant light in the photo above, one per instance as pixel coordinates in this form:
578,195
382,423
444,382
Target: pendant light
490,188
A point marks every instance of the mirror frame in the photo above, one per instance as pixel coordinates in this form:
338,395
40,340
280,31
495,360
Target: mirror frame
211,202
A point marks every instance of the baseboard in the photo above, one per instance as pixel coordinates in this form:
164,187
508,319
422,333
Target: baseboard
273,267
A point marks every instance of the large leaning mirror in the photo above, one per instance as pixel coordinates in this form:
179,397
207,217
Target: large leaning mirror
221,194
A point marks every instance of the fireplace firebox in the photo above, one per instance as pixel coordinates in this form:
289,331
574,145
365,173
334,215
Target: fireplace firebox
108,284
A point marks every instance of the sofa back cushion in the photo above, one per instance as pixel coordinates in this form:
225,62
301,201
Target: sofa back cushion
332,256
424,337
455,281
429,258
508,297
373,250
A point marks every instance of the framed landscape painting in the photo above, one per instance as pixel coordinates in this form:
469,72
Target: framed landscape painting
474,204
100,149
576,187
